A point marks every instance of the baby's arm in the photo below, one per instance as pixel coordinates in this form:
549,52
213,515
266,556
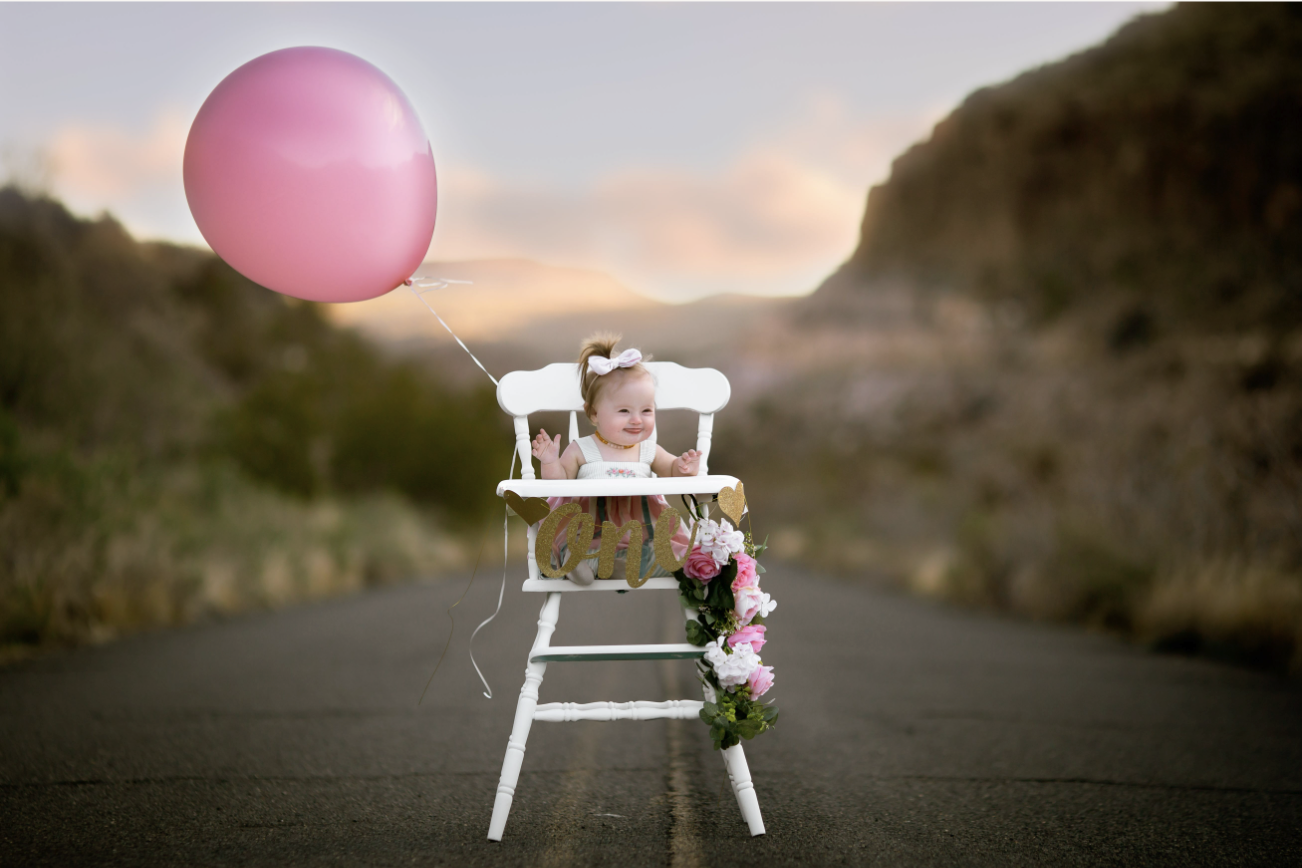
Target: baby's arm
555,464
687,464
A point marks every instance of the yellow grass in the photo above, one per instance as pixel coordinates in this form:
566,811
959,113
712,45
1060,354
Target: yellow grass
99,555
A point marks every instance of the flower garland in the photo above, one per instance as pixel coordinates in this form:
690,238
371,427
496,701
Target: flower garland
720,579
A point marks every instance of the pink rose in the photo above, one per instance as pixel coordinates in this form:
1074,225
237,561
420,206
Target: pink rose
747,603
760,680
746,576
752,633
701,566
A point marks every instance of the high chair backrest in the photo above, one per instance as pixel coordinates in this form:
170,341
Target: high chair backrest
556,388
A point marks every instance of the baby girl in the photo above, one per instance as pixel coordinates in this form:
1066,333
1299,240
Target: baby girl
619,398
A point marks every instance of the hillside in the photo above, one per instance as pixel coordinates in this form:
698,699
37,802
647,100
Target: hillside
176,441
1159,174
1061,375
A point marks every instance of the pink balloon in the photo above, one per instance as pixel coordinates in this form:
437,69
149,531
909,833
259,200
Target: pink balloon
308,172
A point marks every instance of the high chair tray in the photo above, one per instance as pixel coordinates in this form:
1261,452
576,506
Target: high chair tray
665,485
619,586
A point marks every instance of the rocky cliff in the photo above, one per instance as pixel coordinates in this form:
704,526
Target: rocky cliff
1159,173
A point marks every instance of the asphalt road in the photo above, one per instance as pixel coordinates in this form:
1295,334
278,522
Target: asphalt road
911,734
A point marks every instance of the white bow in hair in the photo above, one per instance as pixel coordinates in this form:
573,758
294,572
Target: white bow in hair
600,365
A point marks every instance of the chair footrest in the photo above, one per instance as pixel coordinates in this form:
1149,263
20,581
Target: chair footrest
617,652
559,712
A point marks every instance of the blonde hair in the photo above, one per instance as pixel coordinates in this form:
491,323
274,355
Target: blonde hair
603,345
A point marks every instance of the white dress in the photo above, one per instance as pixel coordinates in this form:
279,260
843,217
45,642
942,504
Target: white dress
596,467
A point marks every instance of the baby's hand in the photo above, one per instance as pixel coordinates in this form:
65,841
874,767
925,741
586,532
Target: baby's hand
687,464
546,450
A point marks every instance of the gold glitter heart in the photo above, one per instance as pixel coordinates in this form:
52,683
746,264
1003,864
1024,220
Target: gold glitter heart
733,503
533,510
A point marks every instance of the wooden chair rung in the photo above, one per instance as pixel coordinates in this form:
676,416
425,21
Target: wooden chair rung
571,653
675,709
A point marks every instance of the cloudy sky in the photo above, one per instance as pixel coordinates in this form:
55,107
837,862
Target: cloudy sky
686,149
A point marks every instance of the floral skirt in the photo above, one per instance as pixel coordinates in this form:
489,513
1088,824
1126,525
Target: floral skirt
620,510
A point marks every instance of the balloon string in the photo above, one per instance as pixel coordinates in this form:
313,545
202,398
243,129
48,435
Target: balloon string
506,540
448,644
441,283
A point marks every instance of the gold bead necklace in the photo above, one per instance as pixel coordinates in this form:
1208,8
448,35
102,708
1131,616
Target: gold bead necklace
608,443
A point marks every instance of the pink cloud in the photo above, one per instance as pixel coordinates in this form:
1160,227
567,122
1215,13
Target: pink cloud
766,223
103,162
774,221
132,173
766,214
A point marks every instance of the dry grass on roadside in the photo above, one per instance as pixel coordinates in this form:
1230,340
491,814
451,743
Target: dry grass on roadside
1233,608
93,552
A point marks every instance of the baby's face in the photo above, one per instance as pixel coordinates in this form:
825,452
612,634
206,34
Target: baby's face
625,411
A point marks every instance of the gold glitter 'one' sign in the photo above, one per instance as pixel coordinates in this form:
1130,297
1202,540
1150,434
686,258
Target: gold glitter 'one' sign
610,537
666,525
579,535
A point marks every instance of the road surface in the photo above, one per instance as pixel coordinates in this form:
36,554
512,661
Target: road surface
911,734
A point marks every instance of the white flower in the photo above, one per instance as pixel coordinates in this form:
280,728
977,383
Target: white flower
732,669
705,536
767,604
718,539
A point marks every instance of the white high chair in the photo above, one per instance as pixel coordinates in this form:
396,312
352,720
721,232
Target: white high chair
556,387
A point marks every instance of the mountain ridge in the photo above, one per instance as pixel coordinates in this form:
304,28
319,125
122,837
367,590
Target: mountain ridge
1159,171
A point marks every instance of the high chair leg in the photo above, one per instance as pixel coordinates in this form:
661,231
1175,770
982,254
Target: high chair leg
734,760
524,710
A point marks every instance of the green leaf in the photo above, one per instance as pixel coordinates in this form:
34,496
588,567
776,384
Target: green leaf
770,713
697,634
686,584
748,728
727,574
720,596
759,569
